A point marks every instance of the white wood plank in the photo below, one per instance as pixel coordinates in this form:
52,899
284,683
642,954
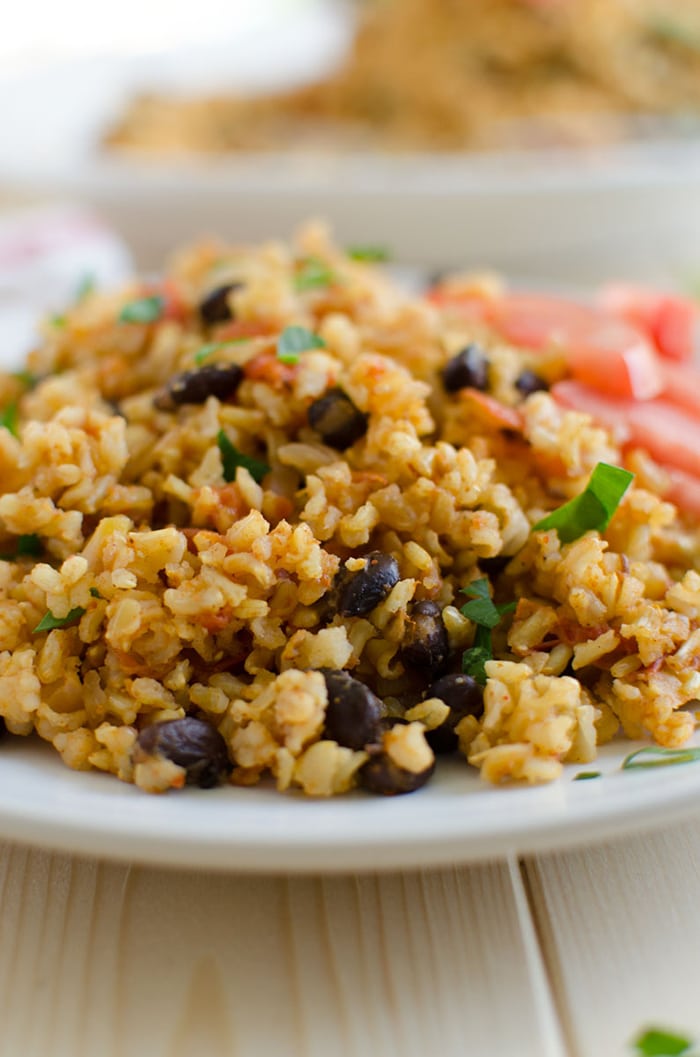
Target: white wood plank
620,931
108,961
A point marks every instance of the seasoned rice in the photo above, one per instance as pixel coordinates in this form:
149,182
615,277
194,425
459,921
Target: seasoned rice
165,584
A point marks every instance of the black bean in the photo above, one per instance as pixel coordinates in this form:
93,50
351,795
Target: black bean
3,728
216,307
464,697
190,743
494,566
470,367
194,387
381,775
365,589
528,382
354,714
337,419
424,644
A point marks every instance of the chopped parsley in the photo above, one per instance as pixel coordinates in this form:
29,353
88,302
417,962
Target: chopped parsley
27,379
144,310
656,1042
29,546
48,622
368,253
312,273
86,286
232,458
484,612
95,593
655,756
295,340
9,418
593,508
208,350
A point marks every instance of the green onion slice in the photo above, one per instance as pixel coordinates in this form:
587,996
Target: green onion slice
656,1042
655,756
593,508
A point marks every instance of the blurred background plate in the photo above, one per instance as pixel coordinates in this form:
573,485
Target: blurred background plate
579,215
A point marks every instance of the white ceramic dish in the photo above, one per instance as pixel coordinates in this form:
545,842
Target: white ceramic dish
456,818
582,216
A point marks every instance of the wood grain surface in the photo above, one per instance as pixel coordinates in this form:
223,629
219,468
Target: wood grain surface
102,960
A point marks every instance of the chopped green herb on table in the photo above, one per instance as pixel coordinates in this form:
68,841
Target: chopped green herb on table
656,1042
368,253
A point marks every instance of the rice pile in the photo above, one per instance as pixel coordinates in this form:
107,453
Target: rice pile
168,558
439,75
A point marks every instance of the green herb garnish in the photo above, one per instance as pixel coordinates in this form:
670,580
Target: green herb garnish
295,340
206,351
482,609
313,272
27,379
48,622
9,418
368,253
655,1042
27,546
671,31
484,612
95,593
58,321
593,508
145,310
655,756
86,286
232,458
584,776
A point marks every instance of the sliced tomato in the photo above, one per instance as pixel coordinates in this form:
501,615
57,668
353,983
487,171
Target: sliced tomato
683,490
471,307
600,350
682,386
666,431
534,321
492,411
668,320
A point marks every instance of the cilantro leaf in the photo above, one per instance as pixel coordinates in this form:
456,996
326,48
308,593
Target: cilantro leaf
27,546
368,253
474,660
86,286
593,508
27,378
9,418
144,310
232,458
312,273
482,609
95,593
655,756
295,340
655,1042
48,622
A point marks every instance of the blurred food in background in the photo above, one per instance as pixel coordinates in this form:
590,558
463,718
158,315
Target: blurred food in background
450,74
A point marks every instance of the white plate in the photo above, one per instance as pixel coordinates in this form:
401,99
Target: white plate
456,818
582,216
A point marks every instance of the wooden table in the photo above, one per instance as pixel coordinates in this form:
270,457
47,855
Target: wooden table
566,954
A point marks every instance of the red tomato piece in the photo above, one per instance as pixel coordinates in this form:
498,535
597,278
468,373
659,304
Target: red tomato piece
492,411
600,350
669,320
683,490
682,386
534,321
470,307
666,431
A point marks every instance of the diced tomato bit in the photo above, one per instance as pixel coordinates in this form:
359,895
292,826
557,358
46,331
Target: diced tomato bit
682,385
471,307
610,413
683,490
174,306
668,320
216,621
266,367
491,411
